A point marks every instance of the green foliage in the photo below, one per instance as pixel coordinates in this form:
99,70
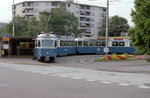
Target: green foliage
33,27
44,21
58,20
140,33
117,25
102,31
63,22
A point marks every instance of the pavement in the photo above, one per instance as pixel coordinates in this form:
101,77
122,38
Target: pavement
84,61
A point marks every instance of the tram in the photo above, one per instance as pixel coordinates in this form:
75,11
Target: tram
46,47
49,46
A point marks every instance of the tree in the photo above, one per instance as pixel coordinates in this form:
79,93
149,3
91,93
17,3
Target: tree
140,33
20,27
63,22
102,31
117,25
45,21
33,27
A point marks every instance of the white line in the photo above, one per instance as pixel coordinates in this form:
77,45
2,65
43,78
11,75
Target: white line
64,76
44,73
123,84
76,78
55,75
106,82
143,86
90,80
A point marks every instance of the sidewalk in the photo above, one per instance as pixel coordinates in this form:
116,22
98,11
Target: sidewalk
23,59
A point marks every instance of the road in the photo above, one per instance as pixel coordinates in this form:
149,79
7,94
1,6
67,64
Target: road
36,81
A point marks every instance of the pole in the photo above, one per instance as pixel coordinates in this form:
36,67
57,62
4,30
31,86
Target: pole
13,16
107,30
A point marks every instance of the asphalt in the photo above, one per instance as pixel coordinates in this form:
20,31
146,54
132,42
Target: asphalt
84,61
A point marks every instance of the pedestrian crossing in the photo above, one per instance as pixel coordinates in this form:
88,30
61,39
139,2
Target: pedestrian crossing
90,75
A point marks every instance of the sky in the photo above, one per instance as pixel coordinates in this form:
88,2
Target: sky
121,8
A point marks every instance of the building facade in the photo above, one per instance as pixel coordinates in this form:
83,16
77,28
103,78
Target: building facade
89,16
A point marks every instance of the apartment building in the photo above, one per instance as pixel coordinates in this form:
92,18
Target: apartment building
89,16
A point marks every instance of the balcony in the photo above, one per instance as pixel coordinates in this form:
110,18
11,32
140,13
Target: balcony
28,12
28,5
85,14
84,7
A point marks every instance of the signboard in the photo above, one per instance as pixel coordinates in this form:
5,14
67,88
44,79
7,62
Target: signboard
5,37
5,46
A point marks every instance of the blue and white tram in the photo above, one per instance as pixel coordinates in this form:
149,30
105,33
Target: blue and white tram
120,45
46,47
66,45
89,45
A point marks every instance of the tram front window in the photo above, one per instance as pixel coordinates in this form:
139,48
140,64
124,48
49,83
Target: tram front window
47,43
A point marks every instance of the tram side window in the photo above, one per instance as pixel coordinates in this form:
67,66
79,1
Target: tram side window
114,43
61,43
65,43
92,43
55,43
39,43
69,43
73,43
121,43
98,43
103,43
85,43
79,43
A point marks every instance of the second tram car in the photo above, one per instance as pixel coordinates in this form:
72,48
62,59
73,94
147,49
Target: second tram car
48,46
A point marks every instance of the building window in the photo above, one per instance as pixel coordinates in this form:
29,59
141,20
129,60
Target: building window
36,4
54,3
68,5
103,14
82,24
81,18
88,7
36,10
104,10
82,6
47,4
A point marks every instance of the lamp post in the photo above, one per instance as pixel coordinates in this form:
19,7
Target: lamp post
13,16
106,49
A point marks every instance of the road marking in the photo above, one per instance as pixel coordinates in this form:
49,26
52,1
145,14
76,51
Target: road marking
143,86
76,78
63,76
106,82
91,80
44,73
124,84
123,79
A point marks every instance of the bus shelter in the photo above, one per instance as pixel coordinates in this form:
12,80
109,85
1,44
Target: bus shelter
17,45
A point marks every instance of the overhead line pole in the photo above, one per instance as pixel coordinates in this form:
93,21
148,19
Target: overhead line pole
13,16
107,30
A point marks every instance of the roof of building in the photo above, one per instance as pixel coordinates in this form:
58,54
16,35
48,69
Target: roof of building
59,1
